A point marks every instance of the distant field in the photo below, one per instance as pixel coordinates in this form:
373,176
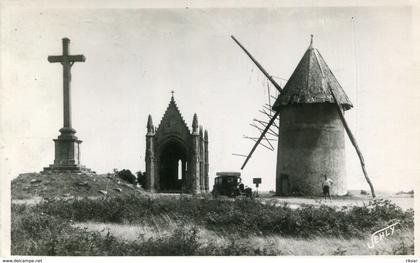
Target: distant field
403,201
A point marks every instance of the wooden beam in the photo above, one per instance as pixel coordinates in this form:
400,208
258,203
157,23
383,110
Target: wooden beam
255,140
264,123
270,78
262,129
354,142
269,115
271,148
259,139
248,137
238,154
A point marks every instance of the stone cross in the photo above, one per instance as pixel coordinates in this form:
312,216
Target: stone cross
67,61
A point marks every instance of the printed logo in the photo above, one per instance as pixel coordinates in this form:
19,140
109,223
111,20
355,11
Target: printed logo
380,235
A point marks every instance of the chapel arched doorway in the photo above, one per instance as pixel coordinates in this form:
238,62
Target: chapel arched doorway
173,167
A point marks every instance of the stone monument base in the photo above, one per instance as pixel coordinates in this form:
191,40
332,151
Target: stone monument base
67,155
69,169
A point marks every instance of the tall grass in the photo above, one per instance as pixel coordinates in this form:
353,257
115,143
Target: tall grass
241,216
41,234
36,233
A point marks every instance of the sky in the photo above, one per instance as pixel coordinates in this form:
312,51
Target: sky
135,57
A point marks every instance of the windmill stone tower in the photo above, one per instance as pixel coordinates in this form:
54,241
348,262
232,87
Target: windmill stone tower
311,134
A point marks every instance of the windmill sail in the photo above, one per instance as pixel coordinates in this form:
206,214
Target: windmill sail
261,137
270,78
272,117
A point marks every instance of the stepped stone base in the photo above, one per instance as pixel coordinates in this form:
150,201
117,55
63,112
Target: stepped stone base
72,169
67,155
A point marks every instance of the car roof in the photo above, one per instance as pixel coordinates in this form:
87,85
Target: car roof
227,174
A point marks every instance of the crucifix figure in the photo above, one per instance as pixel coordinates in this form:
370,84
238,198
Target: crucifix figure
67,61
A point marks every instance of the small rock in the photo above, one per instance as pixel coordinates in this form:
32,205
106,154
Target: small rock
26,188
118,190
129,186
65,195
103,192
82,184
35,181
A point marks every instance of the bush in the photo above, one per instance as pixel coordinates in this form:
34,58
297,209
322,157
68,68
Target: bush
141,179
40,234
127,176
183,242
403,249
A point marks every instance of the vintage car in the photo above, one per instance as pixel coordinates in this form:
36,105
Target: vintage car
230,184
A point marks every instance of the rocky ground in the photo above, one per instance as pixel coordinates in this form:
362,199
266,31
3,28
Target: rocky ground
36,186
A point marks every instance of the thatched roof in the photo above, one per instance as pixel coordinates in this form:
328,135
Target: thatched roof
309,83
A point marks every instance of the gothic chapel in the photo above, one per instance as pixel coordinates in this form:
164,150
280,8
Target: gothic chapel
176,159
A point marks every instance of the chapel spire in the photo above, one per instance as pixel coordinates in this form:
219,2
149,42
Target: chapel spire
150,127
195,123
206,135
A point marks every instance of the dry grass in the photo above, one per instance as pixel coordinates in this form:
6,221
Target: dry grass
281,245
335,246
129,232
138,223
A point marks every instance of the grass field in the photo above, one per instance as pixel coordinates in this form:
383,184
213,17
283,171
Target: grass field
133,222
278,245
166,226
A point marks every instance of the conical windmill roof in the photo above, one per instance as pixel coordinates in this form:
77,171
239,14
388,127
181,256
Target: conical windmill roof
310,83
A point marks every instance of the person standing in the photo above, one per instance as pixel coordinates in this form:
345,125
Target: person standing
326,187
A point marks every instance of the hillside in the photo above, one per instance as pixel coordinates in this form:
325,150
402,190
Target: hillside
32,185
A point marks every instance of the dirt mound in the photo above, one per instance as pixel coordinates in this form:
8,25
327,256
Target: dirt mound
30,185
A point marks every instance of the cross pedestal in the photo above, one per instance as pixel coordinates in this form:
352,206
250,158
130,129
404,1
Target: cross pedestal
67,155
67,145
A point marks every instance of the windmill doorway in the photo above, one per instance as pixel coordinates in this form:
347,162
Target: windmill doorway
284,184
173,167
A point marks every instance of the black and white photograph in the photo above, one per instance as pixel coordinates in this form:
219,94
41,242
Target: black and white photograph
282,129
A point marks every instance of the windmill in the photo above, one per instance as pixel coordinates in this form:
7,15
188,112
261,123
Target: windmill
311,130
